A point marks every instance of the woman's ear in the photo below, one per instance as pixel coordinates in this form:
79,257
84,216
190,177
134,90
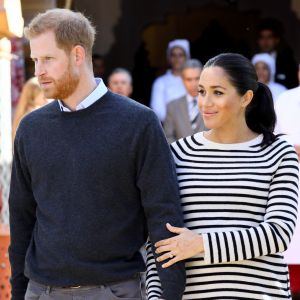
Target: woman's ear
247,98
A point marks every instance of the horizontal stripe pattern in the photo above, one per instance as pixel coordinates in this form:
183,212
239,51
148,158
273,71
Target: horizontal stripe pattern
242,198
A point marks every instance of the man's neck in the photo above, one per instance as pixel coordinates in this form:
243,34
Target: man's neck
176,72
85,87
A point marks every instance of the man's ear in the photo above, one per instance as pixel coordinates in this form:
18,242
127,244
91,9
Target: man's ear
78,53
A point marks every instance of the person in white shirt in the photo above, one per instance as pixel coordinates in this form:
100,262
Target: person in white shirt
264,65
170,86
288,111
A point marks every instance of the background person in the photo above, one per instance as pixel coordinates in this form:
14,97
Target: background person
183,115
170,86
264,65
120,82
288,123
31,98
270,40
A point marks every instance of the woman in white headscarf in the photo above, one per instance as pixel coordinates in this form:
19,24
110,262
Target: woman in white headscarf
264,65
170,85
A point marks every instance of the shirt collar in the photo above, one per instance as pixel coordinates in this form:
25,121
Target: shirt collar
96,94
189,98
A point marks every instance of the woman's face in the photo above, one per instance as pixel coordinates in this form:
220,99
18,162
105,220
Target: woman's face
263,72
177,58
219,102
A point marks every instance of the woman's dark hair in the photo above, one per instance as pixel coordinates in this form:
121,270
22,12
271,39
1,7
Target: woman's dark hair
260,113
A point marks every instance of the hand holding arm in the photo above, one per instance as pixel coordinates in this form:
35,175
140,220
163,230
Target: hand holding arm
185,245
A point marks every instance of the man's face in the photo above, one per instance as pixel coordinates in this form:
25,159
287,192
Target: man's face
120,83
55,70
190,78
267,41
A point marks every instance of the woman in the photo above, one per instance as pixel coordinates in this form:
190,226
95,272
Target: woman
238,184
31,98
170,86
265,67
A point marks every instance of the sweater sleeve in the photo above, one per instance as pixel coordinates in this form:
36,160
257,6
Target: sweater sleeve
22,219
157,182
274,233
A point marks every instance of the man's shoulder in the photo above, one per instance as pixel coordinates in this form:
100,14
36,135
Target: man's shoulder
38,115
36,119
130,107
176,103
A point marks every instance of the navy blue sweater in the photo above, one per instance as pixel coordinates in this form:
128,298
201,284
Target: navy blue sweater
86,188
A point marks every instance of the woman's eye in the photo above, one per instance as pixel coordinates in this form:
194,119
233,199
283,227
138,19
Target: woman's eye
201,92
218,93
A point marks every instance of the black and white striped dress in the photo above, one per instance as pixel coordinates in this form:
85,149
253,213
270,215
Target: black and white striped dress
242,198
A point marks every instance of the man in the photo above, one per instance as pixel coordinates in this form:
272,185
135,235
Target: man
170,86
183,116
120,82
270,41
92,174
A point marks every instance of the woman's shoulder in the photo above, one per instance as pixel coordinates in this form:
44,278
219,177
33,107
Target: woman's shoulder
282,146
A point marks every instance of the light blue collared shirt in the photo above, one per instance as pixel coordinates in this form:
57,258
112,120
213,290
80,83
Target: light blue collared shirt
96,94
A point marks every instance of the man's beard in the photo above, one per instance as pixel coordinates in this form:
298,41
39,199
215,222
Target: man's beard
63,87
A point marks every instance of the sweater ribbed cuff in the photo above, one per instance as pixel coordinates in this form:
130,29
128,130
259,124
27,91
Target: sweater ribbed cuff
173,292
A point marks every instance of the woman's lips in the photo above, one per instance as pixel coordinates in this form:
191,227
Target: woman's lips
209,114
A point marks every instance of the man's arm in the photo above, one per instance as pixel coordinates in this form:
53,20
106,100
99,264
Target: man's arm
157,181
22,220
